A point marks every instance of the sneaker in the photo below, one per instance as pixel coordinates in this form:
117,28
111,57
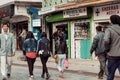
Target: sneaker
8,75
42,76
32,76
47,76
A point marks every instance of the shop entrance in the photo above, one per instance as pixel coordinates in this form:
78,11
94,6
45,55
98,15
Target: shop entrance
18,27
64,29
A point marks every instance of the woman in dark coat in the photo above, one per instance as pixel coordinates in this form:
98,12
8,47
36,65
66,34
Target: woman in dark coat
43,43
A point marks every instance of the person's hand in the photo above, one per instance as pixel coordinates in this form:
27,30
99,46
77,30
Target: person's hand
13,54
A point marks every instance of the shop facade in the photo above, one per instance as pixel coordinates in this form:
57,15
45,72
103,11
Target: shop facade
17,15
77,24
102,14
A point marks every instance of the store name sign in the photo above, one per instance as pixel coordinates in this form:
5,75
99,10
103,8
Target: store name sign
104,12
75,13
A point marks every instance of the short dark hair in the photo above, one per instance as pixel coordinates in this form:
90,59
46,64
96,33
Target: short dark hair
115,19
5,24
43,35
99,28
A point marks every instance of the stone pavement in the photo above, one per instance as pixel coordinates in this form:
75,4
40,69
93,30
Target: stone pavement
75,65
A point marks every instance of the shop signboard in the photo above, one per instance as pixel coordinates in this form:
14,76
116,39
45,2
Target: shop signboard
104,12
75,13
6,11
49,5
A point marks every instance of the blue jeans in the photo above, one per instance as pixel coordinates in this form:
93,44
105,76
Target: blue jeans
113,64
61,62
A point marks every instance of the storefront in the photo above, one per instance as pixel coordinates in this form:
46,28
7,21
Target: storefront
102,15
76,23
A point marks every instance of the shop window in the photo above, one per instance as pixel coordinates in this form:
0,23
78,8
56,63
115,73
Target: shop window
82,30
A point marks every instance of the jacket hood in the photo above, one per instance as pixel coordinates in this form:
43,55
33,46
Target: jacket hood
116,28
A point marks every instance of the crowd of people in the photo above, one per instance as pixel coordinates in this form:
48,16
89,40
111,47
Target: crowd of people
105,44
31,49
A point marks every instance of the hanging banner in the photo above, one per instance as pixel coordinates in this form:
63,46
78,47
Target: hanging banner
104,12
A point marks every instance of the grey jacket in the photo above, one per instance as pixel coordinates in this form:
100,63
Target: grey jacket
98,44
112,40
7,46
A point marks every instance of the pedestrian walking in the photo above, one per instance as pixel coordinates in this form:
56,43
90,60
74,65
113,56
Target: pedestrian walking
112,46
99,48
7,50
23,37
44,52
61,52
30,48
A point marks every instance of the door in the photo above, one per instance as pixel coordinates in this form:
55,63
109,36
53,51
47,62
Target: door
85,49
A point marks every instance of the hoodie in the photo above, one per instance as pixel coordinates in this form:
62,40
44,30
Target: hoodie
112,41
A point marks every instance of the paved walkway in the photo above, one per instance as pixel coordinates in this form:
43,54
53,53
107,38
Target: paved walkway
75,65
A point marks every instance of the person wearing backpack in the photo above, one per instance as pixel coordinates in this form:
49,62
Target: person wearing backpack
44,52
30,48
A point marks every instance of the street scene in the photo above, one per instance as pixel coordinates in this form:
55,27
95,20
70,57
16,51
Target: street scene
78,69
59,39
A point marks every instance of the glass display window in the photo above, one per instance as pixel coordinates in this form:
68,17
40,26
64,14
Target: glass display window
82,30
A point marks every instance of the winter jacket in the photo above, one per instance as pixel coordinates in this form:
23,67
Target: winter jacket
98,44
112,40
41,46
30,45
61,47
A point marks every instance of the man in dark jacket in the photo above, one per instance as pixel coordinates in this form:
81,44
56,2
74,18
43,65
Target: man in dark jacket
98,47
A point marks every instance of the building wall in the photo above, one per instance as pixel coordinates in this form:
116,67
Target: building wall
2,2
20,10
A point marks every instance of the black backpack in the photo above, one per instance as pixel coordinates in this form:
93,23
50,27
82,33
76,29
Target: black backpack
46,52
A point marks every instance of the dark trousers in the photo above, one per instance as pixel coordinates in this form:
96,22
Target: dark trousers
103,68
113,64
44,61
31,62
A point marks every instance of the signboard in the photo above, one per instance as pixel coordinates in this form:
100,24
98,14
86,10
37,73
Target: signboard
49,5
6,11
104,12
75,13
36,22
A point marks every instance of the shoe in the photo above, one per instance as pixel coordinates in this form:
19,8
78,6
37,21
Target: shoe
31,76
8,75
100,77
47,76
42,76
4,78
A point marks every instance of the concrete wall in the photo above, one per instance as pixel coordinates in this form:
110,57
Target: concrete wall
2,2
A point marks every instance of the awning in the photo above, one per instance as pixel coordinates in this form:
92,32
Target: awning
18,18
83,3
